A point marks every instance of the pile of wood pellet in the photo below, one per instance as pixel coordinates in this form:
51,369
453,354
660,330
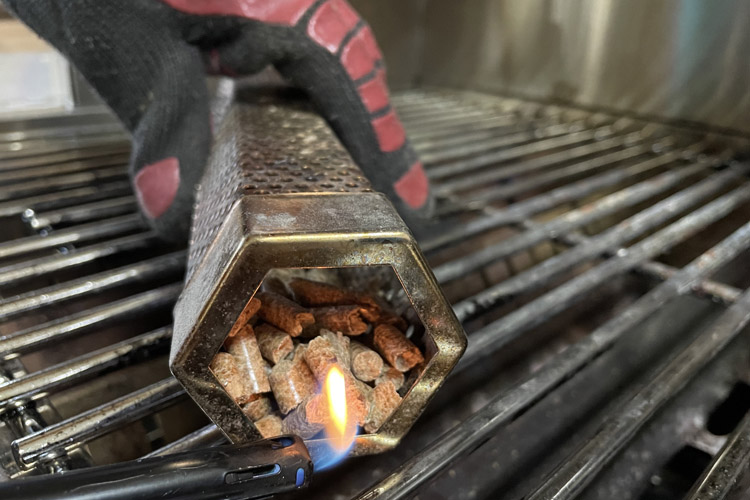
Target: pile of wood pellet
278,354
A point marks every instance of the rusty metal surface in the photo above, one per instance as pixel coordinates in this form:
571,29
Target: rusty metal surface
586,293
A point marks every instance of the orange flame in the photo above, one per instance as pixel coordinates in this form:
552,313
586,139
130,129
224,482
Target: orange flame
340,429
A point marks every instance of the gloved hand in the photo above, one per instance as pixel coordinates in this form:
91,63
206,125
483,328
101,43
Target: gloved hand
147,59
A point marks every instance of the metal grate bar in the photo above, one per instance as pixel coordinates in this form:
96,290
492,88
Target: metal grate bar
84,232
73,432
35,147
61,198
483,129
498,333
406,101
469,434
209,435
32,338
454,152
578,471
163,266
728,469
76,154
448,140
26,174
84,213
423,130
70,180
462,167
440,108
83,368
518,212
66,134
714,290
439,117
610,240
500,166
482,197
530,166
34,268
590,212
468,124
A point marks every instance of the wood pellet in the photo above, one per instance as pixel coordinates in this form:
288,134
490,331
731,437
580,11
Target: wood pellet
286,341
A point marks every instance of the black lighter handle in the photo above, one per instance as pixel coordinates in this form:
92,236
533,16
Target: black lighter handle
252,470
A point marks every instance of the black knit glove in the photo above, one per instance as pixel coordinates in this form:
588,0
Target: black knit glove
147,59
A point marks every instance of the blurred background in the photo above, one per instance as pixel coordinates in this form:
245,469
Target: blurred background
676,59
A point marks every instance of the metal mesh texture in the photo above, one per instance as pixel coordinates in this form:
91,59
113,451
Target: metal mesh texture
269,150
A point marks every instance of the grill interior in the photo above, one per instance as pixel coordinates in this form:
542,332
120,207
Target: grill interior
598,263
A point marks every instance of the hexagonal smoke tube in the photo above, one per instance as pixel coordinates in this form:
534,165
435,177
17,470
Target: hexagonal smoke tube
281,192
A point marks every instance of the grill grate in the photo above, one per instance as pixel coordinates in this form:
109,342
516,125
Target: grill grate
595,260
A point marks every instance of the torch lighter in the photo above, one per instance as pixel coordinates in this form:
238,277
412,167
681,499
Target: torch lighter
254,470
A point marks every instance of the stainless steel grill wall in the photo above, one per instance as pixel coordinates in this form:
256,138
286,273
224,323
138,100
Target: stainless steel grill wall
680,59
